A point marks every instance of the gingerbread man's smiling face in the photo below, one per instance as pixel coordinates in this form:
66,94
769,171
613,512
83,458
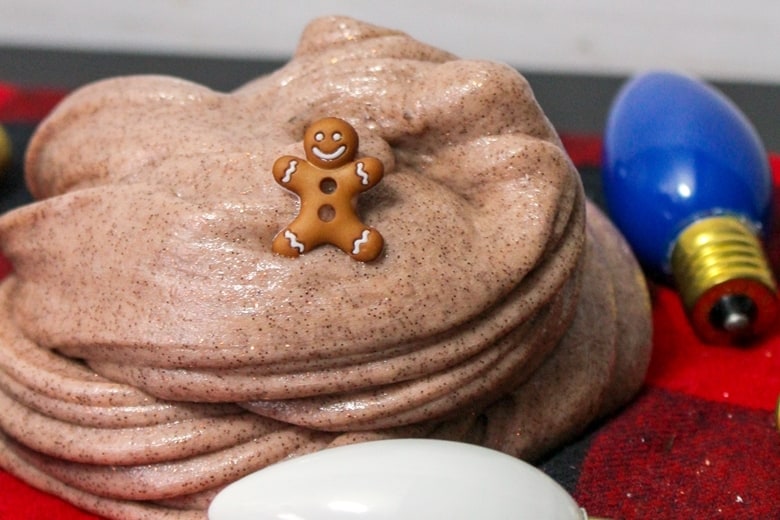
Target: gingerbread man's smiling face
330,143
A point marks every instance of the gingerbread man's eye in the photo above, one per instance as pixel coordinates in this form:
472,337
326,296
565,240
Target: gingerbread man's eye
337,136
319,136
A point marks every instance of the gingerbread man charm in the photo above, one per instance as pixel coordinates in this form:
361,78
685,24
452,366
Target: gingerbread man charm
327,183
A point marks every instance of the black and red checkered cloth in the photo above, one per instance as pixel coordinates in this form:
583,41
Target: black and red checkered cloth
699,441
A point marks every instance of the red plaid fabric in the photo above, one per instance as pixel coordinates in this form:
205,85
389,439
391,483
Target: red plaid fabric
24,105
699,441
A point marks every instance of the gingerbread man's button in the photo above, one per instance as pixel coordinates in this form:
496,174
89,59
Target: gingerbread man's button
327,182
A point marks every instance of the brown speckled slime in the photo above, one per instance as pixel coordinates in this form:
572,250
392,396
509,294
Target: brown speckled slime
153,348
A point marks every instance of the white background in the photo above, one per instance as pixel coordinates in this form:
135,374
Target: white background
717,39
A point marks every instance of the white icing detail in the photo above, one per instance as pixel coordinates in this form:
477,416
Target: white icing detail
329,156
360,241
362,174
289,235
292,168
319,136
337,136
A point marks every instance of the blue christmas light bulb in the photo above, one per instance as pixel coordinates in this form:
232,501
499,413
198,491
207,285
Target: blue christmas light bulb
687,180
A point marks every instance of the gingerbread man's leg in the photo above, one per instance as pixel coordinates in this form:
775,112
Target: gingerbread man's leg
368,245
361,242
288,242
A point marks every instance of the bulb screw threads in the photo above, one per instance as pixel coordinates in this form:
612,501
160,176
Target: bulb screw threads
724,280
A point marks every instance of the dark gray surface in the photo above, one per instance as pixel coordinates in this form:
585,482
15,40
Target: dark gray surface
574,103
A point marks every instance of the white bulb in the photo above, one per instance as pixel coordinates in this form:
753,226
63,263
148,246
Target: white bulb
397,479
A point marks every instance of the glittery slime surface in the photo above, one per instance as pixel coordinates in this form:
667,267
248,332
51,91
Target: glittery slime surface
154,349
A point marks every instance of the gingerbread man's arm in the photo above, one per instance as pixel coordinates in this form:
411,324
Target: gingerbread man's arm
286,171
369,171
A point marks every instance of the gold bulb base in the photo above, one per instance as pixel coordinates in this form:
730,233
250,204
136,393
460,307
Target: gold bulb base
5,150
777,414
724,280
